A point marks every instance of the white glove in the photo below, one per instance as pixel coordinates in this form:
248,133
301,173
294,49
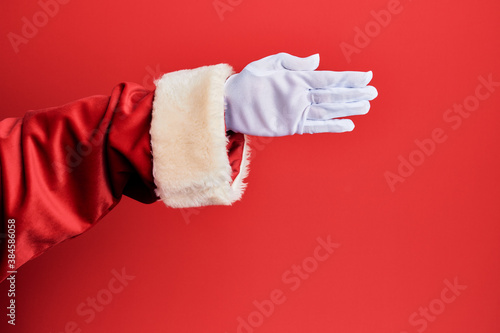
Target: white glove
284,95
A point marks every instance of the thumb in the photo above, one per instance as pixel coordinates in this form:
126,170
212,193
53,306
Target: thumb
294,63
285,61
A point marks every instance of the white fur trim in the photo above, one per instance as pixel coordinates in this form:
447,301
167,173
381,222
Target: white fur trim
188,140
238,185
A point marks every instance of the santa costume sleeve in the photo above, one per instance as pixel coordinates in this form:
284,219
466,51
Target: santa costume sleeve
62,169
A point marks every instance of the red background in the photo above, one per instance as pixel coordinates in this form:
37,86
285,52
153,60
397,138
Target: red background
198,270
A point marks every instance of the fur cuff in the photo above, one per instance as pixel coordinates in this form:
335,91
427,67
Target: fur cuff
188,139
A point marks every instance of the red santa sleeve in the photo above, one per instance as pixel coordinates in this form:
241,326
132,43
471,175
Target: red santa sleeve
62,169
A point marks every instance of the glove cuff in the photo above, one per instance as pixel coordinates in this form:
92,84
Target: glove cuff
191,166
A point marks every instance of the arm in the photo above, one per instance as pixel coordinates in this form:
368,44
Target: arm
65,168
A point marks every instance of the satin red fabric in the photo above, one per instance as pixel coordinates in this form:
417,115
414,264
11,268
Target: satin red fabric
64,168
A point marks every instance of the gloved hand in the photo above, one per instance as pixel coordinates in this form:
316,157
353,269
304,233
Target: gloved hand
283,95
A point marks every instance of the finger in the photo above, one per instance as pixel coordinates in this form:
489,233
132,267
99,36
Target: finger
342,95
285,61
294,63
328,126
331,79
337,110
